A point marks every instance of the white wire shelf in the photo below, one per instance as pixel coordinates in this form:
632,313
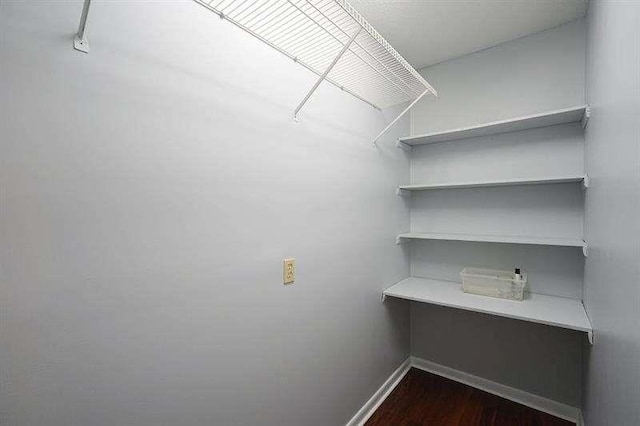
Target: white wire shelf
539,308
501,182
313,32
329,38
551,118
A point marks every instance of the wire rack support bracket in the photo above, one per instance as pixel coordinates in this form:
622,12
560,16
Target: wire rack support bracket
415,101
80,41
324,75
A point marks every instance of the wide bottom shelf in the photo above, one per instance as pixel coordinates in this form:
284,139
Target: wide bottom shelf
550,310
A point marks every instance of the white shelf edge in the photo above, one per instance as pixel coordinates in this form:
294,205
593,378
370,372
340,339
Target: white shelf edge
505,182
538,308
545,119
504,239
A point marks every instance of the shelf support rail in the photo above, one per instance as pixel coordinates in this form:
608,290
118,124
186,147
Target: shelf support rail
80,41
325,74
415,101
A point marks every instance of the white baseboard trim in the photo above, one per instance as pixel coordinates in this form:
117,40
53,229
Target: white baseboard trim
558,409
580,421
380,395
539,403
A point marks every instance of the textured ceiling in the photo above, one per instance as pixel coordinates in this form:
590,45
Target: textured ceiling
426,32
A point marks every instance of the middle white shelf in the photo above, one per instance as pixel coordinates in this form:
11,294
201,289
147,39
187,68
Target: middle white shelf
505,239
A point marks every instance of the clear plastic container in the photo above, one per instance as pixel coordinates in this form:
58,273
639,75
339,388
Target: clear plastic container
494,283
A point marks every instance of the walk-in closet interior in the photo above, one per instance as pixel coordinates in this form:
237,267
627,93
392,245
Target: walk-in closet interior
319,212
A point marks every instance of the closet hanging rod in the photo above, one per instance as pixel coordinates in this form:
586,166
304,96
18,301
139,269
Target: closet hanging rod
329,38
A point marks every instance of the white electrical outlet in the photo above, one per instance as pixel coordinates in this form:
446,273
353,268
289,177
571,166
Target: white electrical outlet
288,271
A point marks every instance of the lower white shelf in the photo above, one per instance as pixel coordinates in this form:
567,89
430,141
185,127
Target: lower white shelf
550,310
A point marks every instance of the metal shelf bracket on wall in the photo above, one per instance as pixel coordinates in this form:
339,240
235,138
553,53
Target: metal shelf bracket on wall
403,146
327,37
586,116
80,41
585,182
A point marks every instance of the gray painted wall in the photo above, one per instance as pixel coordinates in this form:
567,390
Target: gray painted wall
612,214
532,357
541,72
149,192
536,73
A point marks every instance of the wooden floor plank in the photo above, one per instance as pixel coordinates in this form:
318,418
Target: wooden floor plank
423,398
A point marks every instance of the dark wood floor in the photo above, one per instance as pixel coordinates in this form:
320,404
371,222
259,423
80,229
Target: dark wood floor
423,398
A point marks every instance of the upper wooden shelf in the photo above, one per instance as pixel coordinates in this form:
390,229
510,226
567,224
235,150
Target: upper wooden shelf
545,119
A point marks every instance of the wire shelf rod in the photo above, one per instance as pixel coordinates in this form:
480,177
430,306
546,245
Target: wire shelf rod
313,20
317,35
324,54
269,23
261,13
280,33
349,9
293,37
295,33
332,21
240,4
282,22
388,61
252,4
335,37
381,74
307,47
259,4
389,71
270,12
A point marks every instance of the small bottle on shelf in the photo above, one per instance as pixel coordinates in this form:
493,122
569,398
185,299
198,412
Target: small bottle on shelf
514,285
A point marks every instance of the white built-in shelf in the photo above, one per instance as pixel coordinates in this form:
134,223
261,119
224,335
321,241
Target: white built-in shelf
505,239
500,182
545,119
539,308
